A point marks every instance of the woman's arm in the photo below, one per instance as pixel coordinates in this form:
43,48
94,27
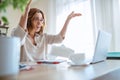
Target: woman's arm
50,39
24,17
19,31
70,16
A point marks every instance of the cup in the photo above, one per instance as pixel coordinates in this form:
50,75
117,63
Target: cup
9,57
78,58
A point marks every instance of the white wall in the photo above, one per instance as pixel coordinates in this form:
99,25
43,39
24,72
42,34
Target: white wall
47,6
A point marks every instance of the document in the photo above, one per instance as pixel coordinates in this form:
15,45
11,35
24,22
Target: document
61,51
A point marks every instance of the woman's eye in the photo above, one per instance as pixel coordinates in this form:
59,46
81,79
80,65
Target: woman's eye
37,19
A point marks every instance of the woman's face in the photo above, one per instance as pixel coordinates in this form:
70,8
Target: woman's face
37,22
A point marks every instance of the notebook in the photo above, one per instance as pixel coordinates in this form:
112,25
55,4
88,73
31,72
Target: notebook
101,49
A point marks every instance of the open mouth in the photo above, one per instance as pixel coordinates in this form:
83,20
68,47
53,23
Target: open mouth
38,27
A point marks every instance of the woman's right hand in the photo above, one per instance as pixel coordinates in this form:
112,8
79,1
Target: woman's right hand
24,17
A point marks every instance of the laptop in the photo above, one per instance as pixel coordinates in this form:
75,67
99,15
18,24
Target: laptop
102,46
101,49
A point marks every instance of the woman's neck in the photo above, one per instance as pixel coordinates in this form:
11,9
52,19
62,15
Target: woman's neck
32,34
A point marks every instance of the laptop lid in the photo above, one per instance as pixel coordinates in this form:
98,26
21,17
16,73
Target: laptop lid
102,46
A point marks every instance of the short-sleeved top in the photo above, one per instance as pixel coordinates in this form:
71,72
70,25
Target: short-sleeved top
31,52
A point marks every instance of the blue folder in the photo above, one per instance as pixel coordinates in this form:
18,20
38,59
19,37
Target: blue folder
113,55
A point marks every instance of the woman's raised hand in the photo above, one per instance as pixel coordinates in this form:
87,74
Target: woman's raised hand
72,15
28,7
23,19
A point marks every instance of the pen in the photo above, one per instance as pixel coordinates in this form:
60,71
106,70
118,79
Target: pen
44,62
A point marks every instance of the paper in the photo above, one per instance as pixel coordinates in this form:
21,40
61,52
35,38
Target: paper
61,51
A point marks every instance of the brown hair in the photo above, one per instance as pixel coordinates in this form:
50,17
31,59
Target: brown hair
30,16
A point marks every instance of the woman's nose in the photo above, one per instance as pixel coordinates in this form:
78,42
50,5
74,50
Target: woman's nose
39,22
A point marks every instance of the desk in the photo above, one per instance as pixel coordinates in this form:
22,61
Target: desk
64,71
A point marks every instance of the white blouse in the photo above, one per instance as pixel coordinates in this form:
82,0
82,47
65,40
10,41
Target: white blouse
30,52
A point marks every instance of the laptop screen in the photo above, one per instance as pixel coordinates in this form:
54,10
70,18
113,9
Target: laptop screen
102,46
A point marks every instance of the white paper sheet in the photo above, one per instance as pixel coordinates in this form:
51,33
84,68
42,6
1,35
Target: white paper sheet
61,51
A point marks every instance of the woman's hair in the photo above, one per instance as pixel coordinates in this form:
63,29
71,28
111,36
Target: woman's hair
31,13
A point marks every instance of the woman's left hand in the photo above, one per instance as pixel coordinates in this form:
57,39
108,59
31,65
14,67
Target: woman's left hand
72,15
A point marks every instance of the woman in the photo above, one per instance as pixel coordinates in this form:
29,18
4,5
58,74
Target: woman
30,30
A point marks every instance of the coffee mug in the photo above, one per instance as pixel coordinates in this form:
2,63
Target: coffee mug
9,57
78,58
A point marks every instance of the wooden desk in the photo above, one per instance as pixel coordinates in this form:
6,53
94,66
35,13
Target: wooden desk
64,71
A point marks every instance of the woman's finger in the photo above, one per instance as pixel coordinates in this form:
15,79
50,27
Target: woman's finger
72,14
28,6
78,14
29,2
